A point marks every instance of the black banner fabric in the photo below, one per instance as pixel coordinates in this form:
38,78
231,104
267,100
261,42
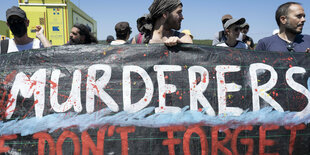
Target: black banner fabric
150,99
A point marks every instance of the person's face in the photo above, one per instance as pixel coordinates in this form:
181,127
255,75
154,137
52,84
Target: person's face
175,18
75,37
233,32
295,19
18,25
245,30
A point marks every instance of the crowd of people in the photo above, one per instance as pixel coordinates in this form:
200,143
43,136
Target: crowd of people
161,25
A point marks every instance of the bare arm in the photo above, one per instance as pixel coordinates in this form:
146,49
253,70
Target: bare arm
41,37
183,39
133,41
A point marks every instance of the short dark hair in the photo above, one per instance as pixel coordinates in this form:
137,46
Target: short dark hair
283,10
122,29
122,36
86,31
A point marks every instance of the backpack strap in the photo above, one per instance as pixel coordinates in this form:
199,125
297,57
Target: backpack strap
4,46
139,39
221,33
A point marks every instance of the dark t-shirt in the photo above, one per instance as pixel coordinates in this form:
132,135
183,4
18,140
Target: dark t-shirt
275,43
246,39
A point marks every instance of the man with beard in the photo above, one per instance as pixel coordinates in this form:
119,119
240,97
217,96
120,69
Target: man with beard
161,24
18,23
81,34
290,18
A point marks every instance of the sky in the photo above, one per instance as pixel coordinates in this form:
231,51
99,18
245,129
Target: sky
201,17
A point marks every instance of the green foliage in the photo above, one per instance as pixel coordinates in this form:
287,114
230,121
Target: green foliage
102,42
203,42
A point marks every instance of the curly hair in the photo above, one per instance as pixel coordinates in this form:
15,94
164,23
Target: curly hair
86,31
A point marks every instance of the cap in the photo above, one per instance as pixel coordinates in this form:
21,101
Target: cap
244,25
122,27
234,21
188,32
17,11
227,16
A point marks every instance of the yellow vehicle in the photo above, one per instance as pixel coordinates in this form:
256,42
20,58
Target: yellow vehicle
57,18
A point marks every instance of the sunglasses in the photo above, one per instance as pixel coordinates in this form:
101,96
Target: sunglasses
290,47
15,21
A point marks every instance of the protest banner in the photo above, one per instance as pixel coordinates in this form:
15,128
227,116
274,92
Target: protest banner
150,99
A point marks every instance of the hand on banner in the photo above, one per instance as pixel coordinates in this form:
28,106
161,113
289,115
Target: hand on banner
172,41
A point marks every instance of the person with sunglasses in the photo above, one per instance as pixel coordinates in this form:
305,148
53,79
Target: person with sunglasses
232,31
290,18
123,31
18,23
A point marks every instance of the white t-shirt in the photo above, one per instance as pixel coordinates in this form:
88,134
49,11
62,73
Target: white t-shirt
118,42
35,44
240,45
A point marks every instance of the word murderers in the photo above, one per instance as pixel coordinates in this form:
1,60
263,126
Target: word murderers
35,86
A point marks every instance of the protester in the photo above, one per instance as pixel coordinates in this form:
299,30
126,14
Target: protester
160,25
290,18
18,23
109,39
123,31
231,32
220,36
245,38
81,34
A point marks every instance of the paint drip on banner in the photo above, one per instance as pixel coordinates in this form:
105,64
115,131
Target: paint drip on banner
145,118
